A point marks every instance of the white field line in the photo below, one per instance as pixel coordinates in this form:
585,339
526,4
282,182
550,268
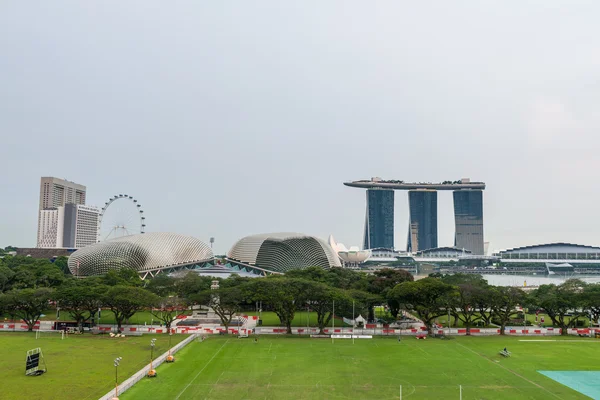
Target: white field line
510,370
563,341
203,368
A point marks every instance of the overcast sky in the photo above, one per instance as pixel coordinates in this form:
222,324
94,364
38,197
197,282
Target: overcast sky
231,118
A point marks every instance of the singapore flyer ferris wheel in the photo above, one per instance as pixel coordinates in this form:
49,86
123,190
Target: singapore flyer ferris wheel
121,215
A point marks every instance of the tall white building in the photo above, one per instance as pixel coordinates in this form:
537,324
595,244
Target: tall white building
50,227
64,219
55,192
80,225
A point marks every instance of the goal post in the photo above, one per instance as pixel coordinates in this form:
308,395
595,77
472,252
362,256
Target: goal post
243,329
50,334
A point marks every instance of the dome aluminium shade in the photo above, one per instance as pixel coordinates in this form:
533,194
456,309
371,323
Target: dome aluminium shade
281,252
146,252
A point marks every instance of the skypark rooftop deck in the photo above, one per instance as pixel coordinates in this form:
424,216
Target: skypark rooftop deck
401,185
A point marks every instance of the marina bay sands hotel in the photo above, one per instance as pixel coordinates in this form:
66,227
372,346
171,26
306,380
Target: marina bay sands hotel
422,199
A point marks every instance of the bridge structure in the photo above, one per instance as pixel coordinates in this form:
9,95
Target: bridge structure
422,229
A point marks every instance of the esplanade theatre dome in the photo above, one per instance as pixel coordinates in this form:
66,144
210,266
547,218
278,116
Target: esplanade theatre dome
147,253
281,252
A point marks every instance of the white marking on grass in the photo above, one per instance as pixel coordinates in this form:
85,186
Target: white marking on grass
216,383
510,370
203,368
270,345
564,340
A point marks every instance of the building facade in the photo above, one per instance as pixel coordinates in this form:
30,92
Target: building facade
148,254
422,228
468,219
64,220
80,225
55,192
50,227
379,220
280,252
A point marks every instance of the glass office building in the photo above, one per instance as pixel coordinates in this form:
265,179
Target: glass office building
422,225
379,221
468,219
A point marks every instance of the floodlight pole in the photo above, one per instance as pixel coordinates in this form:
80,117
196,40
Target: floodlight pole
353,322
116,364
333,322
152,372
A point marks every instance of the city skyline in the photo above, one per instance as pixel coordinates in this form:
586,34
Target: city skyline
229,120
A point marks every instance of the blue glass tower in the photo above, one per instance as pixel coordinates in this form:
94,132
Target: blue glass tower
468,220
422,228
379,221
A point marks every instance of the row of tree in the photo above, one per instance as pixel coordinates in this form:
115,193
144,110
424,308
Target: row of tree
124,294
469,299
29,287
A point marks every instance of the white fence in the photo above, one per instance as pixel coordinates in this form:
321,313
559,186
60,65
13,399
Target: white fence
138,376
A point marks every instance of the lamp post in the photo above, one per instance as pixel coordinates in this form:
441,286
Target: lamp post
116,364
170,358
152,371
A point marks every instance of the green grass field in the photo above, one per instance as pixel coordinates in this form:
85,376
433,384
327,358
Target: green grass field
79,367
303,368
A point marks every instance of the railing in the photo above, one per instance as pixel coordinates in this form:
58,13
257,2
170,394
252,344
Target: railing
138,376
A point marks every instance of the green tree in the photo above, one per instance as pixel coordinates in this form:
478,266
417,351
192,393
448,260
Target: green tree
283,295
161,285
364,303
225,302
470,302
464,301
24,277
321,298
191,284
63,264
590,299
81,300
122,277
6,277
385,280
427,298
48,275
563,303
124,301
168,308
28,304
503,303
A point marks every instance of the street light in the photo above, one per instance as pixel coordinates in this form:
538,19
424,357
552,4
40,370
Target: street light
170,358
116,364
152,372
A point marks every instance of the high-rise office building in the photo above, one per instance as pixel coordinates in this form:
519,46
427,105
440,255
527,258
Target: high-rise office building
55,192
422,229
468,219
80,225
379,221
50,227
64,220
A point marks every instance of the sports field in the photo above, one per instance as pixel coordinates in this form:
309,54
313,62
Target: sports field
303,368
79,367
